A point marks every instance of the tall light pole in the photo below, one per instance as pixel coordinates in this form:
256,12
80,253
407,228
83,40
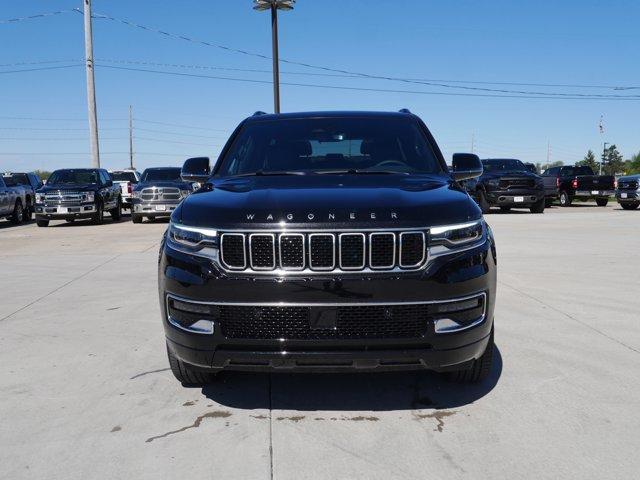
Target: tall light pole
604,154
274,6
91,88
130,137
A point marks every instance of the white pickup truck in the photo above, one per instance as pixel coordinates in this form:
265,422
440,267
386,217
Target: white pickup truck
127,180
13,201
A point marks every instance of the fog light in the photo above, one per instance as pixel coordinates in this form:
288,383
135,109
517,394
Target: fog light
444,325
457,306
201,326
190,307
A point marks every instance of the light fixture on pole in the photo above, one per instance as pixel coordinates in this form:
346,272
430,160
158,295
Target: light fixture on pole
274,6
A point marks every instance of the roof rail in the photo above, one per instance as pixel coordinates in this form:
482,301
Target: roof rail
259,112
404,110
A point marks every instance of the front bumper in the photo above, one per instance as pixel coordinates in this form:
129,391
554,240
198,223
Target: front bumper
515,198
154,209
453,277
59,211
628,196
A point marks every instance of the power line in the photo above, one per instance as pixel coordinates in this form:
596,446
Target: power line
60,67
33,17
382,90
329,69
151,130
59,129
66,119
174,141
178,125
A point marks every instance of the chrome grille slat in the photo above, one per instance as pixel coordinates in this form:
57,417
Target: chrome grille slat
318,252
153,194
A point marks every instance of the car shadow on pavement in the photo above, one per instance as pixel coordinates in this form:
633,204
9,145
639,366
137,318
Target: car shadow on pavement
388,391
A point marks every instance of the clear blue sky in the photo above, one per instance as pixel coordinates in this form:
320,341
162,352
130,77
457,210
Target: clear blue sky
582,42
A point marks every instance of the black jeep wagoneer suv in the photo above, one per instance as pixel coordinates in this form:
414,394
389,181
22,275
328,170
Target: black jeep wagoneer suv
329,241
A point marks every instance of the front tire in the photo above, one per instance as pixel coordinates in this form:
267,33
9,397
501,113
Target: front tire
186,376
98,217
538,207
602,202
480,369
565,199
116,213
630,206
42,223
135,218
18,213
27,214
483,203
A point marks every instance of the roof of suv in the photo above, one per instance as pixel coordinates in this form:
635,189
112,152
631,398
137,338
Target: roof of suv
332,114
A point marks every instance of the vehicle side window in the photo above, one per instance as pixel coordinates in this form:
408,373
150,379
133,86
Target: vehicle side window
105,177
1,183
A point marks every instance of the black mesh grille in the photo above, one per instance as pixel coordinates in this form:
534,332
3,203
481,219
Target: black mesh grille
291,251
396,321
321,251
412,249
262,251
352,250
382,251
233,251
517,183
628,184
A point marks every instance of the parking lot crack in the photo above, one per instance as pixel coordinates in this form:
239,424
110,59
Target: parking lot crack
57,289
195,424
571,317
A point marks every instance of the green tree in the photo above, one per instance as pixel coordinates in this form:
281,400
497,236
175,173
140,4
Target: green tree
589,160
545,166
613,162
43,174
633,165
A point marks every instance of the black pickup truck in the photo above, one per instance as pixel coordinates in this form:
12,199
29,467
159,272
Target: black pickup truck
158,193
507,183
571,182
78,193
329,241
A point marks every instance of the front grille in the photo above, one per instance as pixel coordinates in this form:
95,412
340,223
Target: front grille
155,194
352,322
347,251
65,196
517,183
628,185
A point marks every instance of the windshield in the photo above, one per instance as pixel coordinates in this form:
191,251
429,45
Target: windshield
317,145
10,181
123,177
506,165
161,175
71,177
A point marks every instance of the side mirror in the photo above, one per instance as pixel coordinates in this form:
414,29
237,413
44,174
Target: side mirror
466,166
196,169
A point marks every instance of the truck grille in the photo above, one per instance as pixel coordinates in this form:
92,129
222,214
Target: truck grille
628,185
65,196
352,322
517,183
156,194
348,251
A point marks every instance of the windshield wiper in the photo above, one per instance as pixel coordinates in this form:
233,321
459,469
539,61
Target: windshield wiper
262,173
355,171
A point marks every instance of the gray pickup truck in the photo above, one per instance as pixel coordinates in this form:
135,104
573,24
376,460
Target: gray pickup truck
30,182
13,201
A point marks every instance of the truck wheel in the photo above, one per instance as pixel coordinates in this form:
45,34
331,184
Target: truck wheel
538,207
602,202
185,375
42,223
483,203
479,370
98,217
27,214
565,199
630,206
116,213
18,213
135,218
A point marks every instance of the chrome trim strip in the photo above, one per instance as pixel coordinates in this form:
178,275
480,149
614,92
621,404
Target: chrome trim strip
424,248
472,324
393,261
333,240
330,304
273,251
364,250
284,235
244,251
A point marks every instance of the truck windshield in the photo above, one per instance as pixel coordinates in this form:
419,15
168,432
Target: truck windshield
161,175
123,177
71,177
503,165
330,144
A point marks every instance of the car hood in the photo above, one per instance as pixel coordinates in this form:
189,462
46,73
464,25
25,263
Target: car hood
88,187
328,201
161,184
629,178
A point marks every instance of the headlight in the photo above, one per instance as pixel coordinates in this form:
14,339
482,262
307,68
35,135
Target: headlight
201,241
40,197
454,236
184,193
89,196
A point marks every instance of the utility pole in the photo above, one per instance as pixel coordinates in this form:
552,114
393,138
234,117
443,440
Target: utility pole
91,87
130,138
548,152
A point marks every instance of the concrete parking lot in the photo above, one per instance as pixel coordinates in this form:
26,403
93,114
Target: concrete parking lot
85,390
